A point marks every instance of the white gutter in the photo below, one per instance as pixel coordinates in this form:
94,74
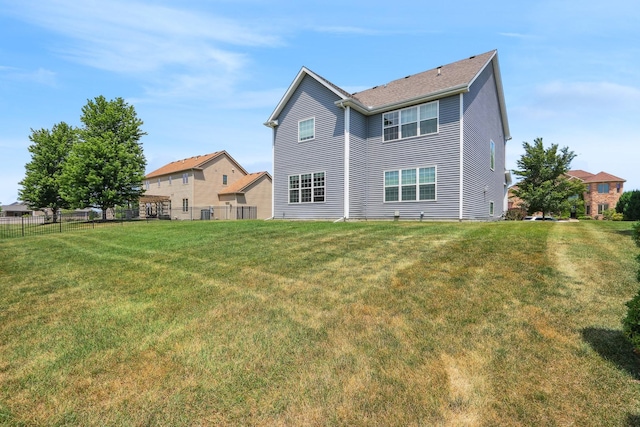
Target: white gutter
395,105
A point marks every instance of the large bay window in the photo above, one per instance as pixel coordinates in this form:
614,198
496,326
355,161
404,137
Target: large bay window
307,188
410,184
412,121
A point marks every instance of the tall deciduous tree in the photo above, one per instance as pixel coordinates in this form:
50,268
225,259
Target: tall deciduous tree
41,186
545,186
106,167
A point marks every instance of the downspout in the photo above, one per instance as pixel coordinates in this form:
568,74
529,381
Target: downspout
347,151
460,215
273,164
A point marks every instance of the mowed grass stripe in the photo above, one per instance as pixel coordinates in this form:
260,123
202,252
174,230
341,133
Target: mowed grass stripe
278,323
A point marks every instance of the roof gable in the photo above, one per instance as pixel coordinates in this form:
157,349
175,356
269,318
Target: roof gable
243,183
195,162
304,71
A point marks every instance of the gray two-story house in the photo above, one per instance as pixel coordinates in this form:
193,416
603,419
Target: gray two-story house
429,145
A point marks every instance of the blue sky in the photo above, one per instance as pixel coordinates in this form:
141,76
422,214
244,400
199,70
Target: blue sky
204,75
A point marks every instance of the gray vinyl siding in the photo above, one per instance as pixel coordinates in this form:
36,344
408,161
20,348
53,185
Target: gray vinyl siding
440,150
483,123
324,153
358,165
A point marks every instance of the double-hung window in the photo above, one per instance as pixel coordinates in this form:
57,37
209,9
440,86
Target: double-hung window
185,205
412,121
410,184
185,178
306,129
307,188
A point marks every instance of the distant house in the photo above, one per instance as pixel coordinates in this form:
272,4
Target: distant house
18,209
206,187
427,145
603,191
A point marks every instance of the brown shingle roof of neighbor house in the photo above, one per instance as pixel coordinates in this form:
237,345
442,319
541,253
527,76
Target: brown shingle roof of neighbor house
440,79
579,173
604,177
599,177
195,162
241,185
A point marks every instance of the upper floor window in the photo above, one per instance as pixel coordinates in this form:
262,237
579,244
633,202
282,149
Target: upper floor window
224,179
412,121
158,182
185,178
410,184
146,184
169,179
307,188
492,160
618,187
306,129
603,187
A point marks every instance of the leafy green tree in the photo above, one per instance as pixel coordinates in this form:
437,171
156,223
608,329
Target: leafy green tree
629,205
545,186
41,186
106,167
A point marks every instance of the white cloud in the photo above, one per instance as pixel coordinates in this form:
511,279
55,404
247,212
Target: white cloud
176,52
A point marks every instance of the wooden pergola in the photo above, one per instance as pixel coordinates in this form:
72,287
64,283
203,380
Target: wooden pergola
155,206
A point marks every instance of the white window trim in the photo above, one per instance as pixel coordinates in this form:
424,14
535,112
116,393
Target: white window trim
170,178
417,169
314,129
492,155
158,182
418,135
185,178
300,202
492,208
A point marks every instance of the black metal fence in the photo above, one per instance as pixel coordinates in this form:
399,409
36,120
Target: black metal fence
62,222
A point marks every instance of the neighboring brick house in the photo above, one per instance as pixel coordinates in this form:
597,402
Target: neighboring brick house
603,191
427,145
212,186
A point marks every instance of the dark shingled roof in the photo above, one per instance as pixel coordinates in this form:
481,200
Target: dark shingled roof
423,84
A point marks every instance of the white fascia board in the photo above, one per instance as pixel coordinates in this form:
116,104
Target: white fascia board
294,85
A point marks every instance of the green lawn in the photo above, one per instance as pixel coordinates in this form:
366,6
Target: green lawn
313,323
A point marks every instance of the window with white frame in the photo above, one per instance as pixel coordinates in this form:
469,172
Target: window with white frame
602,207
412,121
307,188
492,160
491,208
170,179
306,129
158,182
413,184
146,184
185,178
